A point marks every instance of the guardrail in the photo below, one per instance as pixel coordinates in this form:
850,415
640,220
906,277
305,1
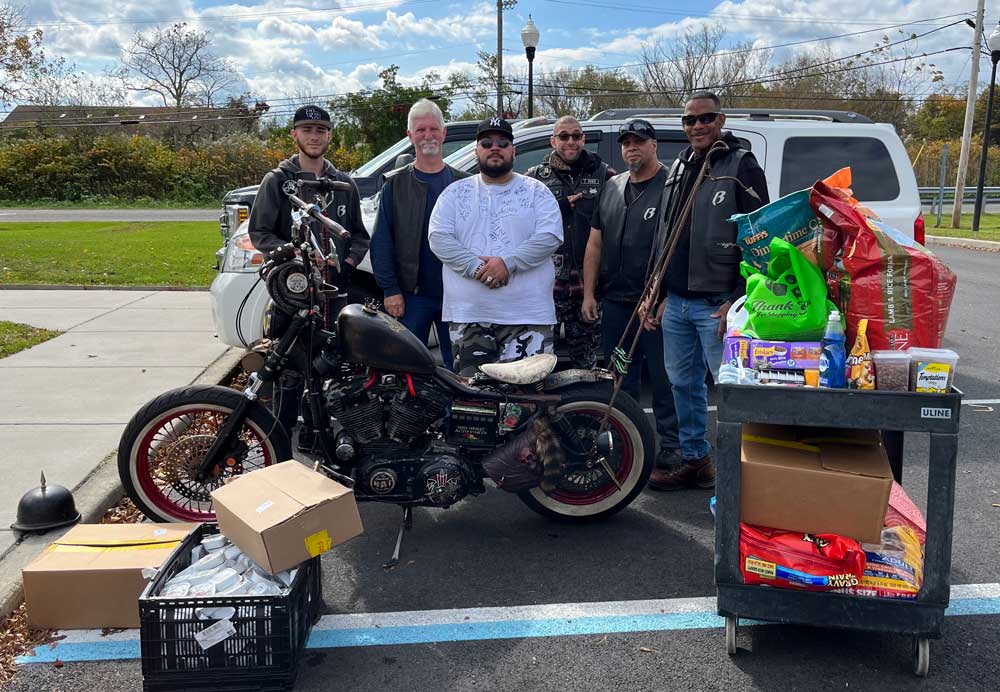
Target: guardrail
930,194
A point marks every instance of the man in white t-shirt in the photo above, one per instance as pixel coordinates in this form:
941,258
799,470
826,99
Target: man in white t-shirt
495,233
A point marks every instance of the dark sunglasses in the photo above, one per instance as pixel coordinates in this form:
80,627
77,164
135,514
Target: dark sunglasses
704,119
566,136
488,143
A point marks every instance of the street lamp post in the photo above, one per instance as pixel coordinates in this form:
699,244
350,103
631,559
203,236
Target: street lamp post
529,37
993,42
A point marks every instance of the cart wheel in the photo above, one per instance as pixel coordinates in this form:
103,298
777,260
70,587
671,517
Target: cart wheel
731,623
921,656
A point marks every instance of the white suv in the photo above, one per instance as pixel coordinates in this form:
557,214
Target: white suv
795,148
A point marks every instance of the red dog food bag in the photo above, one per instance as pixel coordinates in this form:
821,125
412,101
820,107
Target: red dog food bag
884,276
791,560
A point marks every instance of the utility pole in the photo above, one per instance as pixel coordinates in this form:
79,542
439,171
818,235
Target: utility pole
501,6
970,110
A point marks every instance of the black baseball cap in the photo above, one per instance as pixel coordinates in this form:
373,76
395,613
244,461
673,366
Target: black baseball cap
311,115
497,125
638,127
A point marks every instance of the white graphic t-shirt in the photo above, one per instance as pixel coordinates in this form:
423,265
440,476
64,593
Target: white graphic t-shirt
518,221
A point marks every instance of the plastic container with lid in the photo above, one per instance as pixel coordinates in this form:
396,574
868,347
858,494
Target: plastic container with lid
932,370
892,370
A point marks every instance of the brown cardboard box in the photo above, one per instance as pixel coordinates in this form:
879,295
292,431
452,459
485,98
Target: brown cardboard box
92,576
815,481
282,515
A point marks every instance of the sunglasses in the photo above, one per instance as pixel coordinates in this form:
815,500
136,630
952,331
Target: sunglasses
499,143
566,136
704,119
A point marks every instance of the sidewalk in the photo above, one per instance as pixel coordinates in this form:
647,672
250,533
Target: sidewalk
65,403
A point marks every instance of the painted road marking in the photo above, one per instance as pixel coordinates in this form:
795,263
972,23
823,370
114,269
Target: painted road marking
966,402
476,624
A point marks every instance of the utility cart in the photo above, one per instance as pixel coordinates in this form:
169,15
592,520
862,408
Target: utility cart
892,413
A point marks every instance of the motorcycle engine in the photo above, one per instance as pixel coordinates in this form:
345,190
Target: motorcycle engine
439,479
392,408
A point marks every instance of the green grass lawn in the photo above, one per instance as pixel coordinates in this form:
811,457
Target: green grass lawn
109,253
16,337
113,203
989,226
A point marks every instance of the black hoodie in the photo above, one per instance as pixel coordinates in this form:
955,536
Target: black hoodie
271,217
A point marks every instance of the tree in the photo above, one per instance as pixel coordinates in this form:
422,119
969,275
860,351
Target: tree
378,117
941,116
58,83
585,91
178,65
479,90
20,53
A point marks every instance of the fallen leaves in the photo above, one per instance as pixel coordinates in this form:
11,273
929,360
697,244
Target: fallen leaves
17,638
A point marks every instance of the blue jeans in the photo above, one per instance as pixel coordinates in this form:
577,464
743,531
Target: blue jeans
690,341
648,358
419,312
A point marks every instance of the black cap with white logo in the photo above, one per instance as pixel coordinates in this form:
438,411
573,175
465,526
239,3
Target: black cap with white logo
638,127
311,115
497,125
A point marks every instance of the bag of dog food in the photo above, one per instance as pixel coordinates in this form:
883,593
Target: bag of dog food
859,362
884,276
812,562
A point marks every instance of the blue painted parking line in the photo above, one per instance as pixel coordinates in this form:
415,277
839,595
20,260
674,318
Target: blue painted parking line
478,624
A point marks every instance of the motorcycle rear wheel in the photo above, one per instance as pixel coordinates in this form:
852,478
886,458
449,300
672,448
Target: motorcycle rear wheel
591,495
166,438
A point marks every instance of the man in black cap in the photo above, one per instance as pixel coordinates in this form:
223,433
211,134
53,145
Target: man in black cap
271,224
495,234
617,265
576,177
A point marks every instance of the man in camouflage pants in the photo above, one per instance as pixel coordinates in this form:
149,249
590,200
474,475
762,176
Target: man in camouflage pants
575,176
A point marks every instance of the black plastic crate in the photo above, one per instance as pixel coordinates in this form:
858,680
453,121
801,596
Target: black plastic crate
263,654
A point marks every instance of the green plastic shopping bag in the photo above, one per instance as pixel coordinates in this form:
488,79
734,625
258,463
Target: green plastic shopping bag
789,302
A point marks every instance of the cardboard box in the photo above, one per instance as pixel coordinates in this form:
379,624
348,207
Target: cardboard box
282,515
92,576
815,480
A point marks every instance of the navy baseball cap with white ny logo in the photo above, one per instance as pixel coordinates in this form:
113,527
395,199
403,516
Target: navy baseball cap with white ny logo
311,115
498,125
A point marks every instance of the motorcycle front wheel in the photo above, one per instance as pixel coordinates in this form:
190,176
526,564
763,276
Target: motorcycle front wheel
165,441
589,494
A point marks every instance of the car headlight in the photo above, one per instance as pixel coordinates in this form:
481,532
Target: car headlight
241,255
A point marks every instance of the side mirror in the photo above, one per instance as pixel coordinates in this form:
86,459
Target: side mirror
402,160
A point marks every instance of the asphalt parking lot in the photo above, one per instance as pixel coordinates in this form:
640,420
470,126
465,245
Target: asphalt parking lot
489,595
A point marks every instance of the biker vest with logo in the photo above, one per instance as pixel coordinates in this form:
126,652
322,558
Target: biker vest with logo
409,197
714,262
576,218
628,233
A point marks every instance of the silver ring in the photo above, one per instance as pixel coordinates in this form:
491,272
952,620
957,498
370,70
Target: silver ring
489,279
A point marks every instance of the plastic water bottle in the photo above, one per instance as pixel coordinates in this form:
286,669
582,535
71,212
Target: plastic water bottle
833,360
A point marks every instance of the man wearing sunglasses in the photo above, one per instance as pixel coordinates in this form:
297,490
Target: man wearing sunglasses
703,278
617,265
495,234
575,177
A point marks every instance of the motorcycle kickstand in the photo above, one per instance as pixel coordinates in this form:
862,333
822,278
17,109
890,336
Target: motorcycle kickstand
404,526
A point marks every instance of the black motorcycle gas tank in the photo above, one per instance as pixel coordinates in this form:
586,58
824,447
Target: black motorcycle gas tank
378,340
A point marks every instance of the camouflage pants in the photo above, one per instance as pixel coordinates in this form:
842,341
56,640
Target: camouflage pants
476,343
579,340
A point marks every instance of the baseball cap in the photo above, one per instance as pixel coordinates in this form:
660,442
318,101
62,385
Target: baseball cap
498,125
311,115
638,127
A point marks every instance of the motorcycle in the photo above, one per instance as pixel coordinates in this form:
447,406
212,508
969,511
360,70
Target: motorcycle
389,421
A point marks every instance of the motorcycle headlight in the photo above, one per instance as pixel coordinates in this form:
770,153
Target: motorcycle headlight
241,255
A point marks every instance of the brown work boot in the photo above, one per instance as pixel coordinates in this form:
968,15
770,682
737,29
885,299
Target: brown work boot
699,473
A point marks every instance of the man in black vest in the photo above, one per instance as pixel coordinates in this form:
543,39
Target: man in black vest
406,270
617,265
271,226
703,278
576,177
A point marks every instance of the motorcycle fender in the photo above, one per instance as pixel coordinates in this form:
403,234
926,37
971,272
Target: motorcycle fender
568,378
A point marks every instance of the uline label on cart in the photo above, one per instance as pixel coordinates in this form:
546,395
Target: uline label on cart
942,413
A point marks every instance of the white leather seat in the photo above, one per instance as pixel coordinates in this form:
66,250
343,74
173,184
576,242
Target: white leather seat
525,371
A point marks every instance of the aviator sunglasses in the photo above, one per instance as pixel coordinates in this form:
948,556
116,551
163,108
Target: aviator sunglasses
489,143
566,136
704,119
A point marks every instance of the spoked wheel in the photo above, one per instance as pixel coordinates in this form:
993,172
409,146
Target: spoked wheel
164,443
589,493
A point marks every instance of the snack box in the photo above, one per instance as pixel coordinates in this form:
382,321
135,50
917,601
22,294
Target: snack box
785,355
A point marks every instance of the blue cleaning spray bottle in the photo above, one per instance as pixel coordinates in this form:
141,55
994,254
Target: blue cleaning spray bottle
833,360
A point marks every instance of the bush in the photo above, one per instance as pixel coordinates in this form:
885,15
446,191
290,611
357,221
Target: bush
136,168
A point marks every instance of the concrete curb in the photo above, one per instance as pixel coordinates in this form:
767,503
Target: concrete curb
97,493
970,243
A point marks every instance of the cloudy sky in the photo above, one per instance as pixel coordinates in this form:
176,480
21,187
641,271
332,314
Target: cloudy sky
302,48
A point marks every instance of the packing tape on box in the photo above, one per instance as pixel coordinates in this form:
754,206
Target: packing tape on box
60,548
791,444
